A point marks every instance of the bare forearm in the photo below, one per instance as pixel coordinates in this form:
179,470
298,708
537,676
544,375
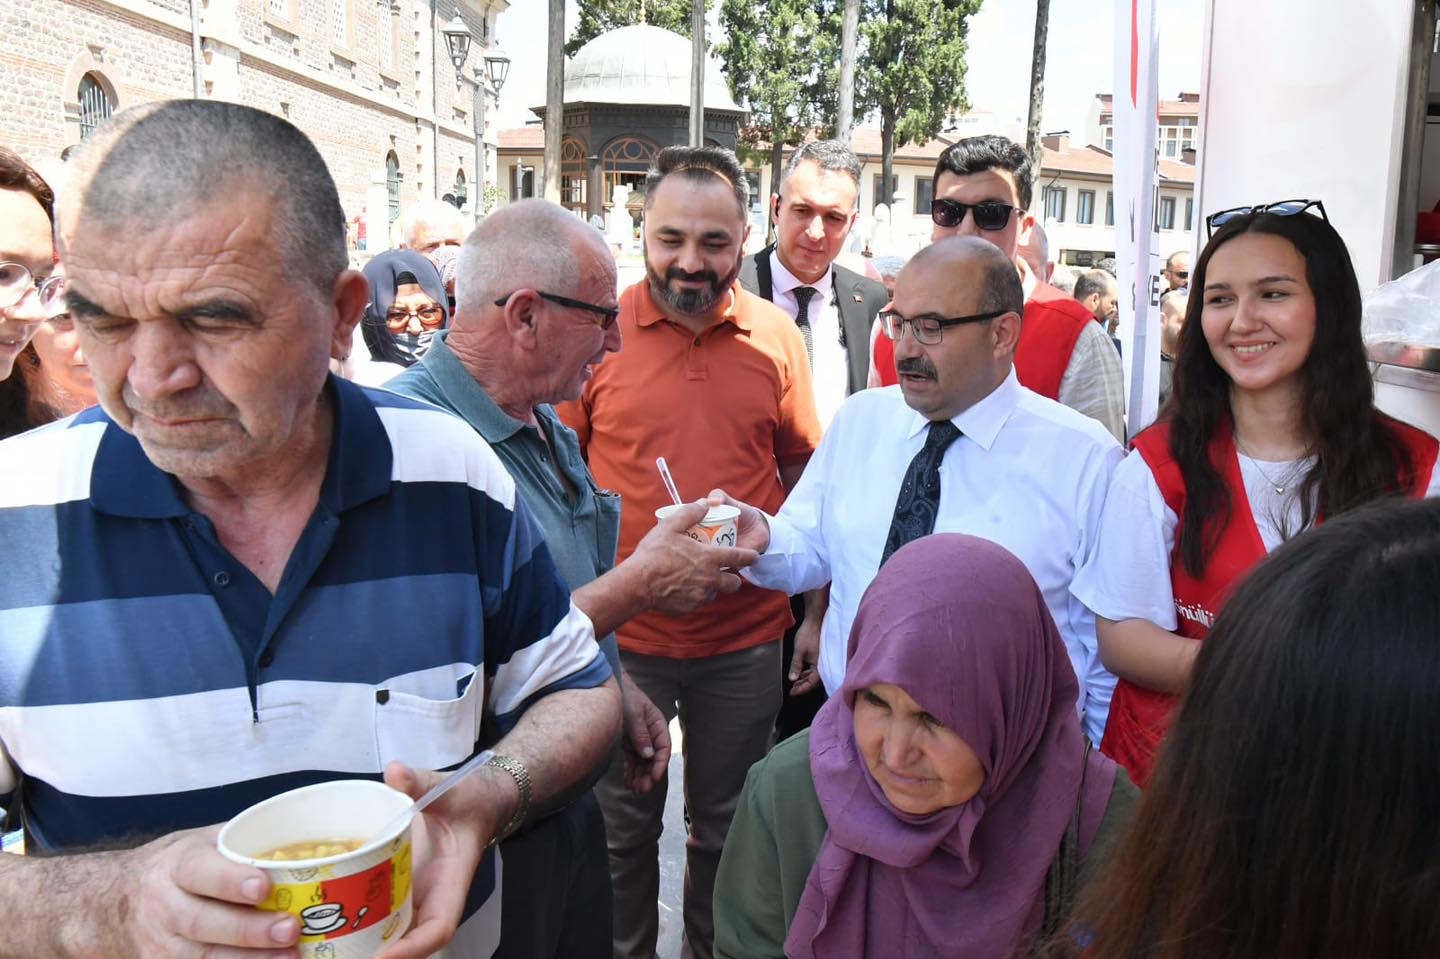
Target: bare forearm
1145,654
613,599
562,738
63,907
816,602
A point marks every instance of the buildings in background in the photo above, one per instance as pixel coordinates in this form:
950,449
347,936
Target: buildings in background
370,81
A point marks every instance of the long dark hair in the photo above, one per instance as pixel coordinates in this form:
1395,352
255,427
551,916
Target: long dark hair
1292,812
18,405
1357,457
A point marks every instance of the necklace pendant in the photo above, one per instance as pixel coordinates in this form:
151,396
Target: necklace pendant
1279,491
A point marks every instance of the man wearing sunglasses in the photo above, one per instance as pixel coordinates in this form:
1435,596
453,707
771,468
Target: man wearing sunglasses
1177,270
537,315
983,187
960,447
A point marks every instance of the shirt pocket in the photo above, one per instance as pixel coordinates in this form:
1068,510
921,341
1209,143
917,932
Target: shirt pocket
607,528
430,720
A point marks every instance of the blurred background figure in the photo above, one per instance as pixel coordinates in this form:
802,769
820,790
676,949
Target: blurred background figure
1063,279
945,802
30,289
407,307
1099,293
1177,271
1032,253
1292,811
882,348
430,224
1172,318
54,366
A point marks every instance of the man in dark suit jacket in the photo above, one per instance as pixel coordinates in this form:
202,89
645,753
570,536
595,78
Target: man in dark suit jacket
815,207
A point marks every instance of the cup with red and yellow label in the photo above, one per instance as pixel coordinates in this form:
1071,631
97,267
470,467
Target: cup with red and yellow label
718,527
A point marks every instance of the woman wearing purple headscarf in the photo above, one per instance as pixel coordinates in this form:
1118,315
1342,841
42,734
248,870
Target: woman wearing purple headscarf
946,802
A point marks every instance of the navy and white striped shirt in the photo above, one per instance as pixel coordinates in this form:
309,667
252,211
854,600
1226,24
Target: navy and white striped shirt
149,682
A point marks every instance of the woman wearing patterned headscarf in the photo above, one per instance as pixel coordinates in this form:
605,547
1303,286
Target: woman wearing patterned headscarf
945,802
407,307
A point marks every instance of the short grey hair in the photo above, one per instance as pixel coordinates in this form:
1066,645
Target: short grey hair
832,155
431,212
153,164
699,165
1092,282
530,243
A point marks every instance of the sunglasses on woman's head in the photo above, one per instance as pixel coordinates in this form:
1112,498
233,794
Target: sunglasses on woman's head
1278,208
990,215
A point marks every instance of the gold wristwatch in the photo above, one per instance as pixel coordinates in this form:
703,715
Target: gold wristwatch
521,775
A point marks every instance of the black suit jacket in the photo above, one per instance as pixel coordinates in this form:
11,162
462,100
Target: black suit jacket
857,298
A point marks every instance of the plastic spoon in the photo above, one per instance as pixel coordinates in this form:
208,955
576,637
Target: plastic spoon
438,790
669,481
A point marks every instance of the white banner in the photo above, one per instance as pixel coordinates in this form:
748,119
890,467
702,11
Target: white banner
1137,254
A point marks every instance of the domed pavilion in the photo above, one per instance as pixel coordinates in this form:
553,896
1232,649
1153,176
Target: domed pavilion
627,95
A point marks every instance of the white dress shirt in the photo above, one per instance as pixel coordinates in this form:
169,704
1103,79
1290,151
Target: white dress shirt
830,368
1027,473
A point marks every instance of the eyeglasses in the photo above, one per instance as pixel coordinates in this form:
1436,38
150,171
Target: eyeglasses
928,329
990,215
16,281
430,317
608,314
1278,208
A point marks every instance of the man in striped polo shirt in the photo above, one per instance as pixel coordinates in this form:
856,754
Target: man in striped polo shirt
241,575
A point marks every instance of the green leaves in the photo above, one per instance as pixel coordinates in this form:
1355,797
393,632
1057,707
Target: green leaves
774,58
602,16
911,67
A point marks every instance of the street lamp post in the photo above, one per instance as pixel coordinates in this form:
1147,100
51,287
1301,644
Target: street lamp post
497,67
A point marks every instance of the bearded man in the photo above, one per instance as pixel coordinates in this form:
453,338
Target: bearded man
716,380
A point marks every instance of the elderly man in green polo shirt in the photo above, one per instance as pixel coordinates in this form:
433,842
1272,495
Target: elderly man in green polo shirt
535,313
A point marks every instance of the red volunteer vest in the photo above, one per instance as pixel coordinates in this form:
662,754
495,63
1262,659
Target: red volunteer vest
1139,717
884,360
1052,324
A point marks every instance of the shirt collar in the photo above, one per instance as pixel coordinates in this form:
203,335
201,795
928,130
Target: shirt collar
982,421
648,314
465,396
123,481
783,281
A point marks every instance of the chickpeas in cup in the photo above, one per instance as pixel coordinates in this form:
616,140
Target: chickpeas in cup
329,865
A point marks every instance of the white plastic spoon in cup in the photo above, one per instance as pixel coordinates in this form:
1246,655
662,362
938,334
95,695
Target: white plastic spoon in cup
438,790
669,481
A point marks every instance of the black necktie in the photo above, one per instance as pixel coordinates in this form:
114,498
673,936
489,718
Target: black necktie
919,501
802,319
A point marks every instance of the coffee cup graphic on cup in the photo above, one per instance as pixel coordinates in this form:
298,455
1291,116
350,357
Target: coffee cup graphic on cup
717,528
352,903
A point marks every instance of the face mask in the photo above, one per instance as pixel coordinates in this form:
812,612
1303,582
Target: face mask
412,345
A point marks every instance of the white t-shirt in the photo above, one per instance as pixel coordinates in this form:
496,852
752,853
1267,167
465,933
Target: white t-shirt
1128,574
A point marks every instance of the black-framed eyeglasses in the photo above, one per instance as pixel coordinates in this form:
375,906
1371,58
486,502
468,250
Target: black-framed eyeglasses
990,215
928,328
607,314
1278,208
16,281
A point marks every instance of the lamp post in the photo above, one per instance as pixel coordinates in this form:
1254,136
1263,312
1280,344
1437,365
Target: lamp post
497,67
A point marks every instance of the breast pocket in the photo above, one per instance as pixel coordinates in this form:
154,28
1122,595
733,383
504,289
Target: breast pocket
607,528
430,720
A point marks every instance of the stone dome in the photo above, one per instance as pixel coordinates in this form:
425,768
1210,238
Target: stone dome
641,65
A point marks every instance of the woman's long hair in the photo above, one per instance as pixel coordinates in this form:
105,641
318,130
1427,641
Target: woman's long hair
20,409
1357,458
1292,812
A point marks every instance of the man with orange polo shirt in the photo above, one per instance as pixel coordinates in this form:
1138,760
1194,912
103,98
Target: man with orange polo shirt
716,380
983,187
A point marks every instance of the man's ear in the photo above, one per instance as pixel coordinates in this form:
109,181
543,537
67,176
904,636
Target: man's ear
521,311
349,297
1006,330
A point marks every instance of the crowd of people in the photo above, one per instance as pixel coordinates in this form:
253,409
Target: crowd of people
974,678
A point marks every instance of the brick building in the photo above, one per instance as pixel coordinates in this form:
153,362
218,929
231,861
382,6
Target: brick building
370,81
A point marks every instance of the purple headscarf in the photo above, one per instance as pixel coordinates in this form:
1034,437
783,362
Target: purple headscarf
960,626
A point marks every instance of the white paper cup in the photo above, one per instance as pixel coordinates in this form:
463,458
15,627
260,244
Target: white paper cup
718,526
350,905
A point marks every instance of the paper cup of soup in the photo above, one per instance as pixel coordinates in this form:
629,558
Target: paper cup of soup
329,864
718,526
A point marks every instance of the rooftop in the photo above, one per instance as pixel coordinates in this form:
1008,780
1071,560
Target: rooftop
641,65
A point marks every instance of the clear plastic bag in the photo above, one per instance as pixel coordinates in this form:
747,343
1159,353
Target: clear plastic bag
1405,310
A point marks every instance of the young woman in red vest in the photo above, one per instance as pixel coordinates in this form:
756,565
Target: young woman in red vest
1271,427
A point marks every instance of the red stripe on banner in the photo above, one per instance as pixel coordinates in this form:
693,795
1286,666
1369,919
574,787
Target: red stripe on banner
1134,49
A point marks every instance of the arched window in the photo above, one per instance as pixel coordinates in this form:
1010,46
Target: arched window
96,105
460,189
392,184
573,174
626,160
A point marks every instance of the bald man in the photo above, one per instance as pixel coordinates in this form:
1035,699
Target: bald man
985,456
535,314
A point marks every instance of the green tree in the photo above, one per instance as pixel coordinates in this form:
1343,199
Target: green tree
602,16
778,59
911,71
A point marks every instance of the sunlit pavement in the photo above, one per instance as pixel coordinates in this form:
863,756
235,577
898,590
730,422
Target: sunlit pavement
672,856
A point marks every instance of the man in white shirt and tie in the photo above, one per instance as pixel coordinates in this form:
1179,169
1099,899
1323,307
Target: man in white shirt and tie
958,446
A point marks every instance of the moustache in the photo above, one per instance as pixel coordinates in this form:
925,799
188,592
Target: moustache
915,366
704,276
196,404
